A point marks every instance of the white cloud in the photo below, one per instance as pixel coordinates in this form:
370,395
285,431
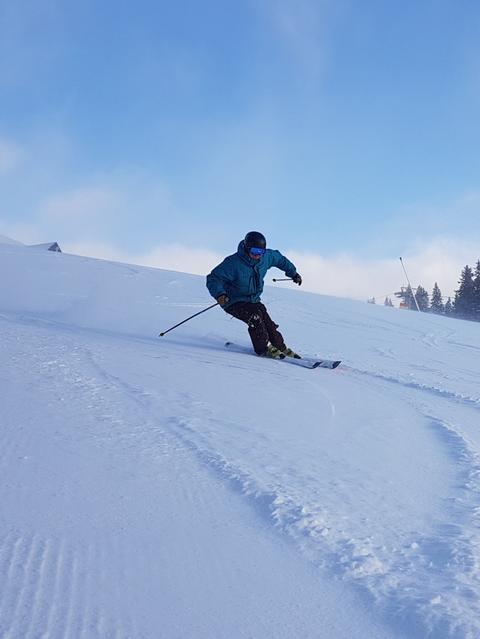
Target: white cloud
84,219
10,156
341,275
456,218
108,205
100,250
182,258
175,257
304,27
23,233
344,275
81,204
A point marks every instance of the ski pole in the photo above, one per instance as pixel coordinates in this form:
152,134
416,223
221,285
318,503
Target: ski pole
283,279
188,318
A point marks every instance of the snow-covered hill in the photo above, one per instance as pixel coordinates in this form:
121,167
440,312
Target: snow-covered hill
168,488
8,240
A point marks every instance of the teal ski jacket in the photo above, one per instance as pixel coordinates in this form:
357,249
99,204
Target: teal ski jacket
241,278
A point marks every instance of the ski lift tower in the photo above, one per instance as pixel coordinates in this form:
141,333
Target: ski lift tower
409,293
405,294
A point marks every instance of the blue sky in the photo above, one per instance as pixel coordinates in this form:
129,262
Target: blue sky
347,131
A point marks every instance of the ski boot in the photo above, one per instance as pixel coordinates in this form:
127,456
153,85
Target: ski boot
287,352
273,352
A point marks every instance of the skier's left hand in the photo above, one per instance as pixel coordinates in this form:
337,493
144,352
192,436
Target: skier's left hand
297,278
222,299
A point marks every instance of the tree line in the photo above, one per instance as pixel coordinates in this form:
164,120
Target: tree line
465,304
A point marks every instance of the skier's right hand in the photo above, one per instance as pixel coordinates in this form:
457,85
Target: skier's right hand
222,299
297,278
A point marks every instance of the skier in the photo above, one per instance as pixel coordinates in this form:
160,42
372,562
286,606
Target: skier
237,284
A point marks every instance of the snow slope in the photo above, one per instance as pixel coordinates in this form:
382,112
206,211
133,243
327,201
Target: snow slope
166,487
7,240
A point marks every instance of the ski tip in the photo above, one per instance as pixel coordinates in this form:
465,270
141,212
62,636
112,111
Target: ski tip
330,365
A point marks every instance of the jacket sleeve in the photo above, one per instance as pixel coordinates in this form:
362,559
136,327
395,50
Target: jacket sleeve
280,261
218,279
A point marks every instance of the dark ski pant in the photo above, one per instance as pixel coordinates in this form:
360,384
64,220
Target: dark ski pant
262,329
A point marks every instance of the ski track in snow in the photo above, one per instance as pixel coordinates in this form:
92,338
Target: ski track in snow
412,383
385,572
431,584
62,586
47,592
401,578
50,591
448,605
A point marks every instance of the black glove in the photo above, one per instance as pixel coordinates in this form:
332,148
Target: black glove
222,299
297,278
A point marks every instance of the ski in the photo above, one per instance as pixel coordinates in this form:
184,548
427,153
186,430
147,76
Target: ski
319,363
304,362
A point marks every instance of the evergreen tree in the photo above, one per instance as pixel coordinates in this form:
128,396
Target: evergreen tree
409,299
449,310
476,293
464,296
436,304
422,298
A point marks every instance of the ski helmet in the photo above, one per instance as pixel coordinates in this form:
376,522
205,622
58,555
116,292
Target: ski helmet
255,239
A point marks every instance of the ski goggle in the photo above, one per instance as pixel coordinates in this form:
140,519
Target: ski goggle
253,250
